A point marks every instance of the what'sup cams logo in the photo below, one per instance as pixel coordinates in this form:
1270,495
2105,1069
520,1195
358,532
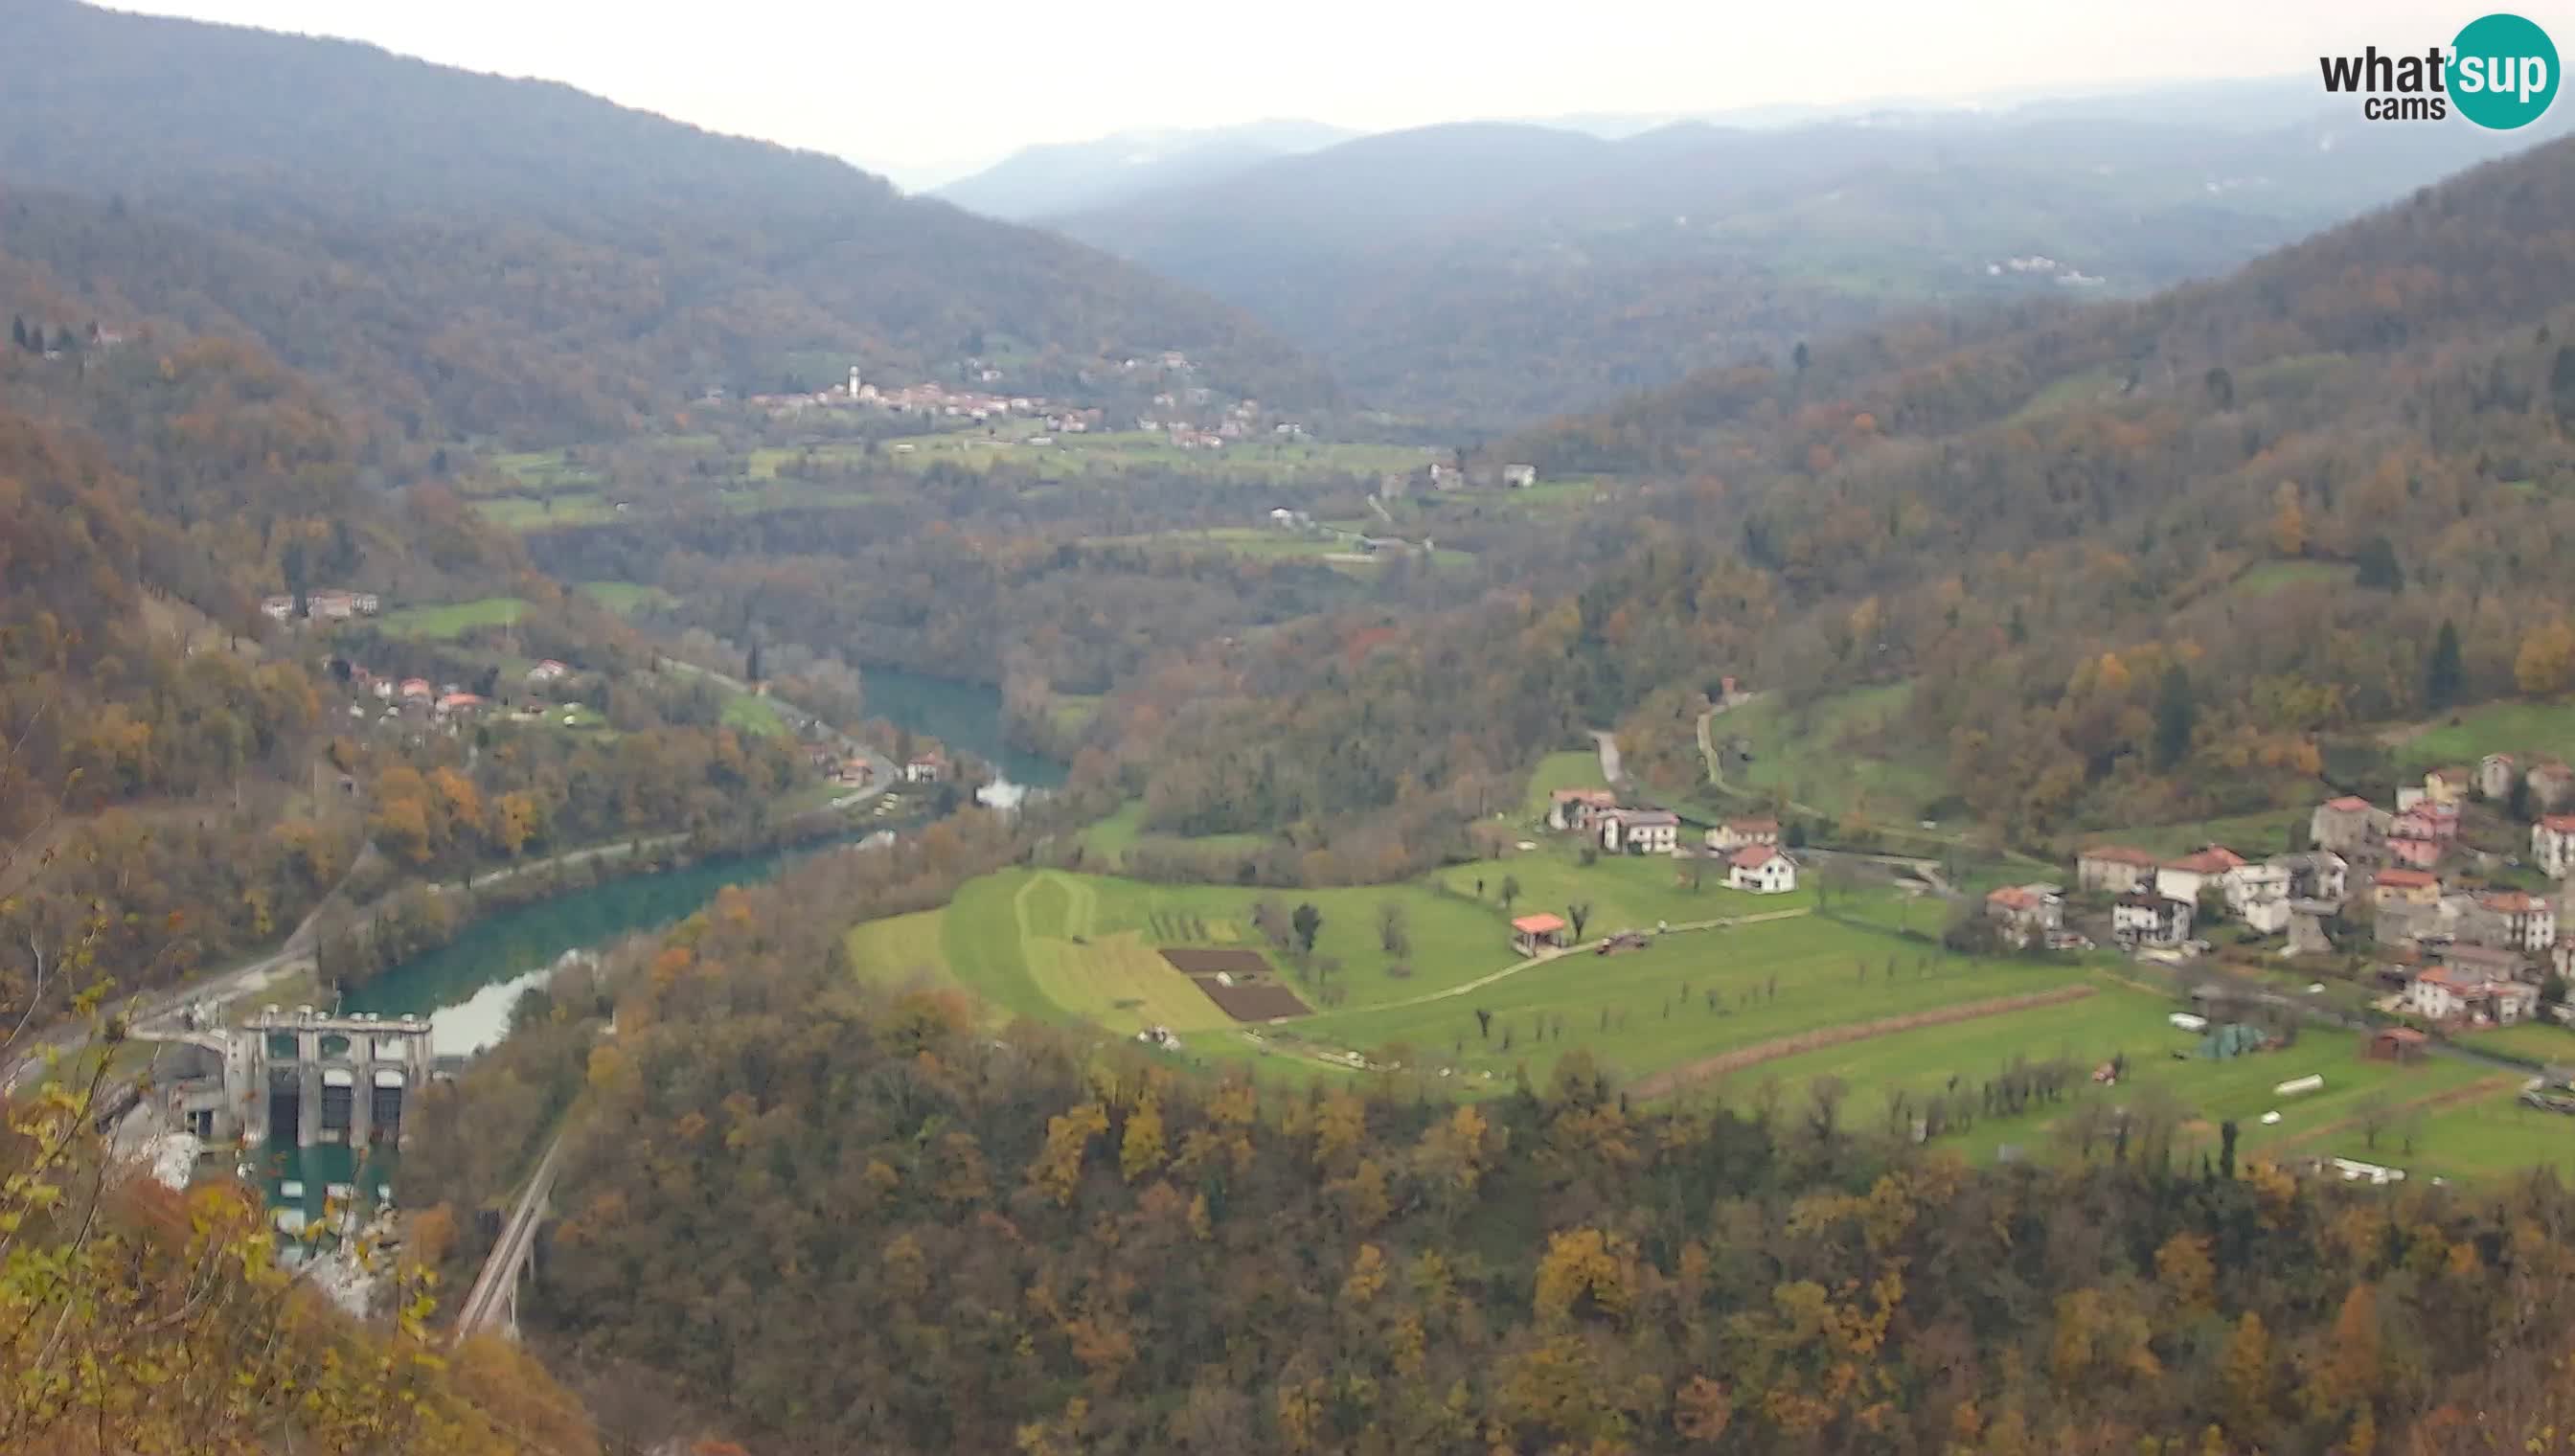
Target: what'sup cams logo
2501,73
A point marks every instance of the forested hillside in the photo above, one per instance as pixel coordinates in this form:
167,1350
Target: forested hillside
2140,561
1485,274
472,255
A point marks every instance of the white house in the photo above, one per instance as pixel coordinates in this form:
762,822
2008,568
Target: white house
2267,917
2528,922
2552,845
2442,993
2496,774
1762,869
2316,874
1520,477
2141,917
549,671
2248,884
1641,831
2184,879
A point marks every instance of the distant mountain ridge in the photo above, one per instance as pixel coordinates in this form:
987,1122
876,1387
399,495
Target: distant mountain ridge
1485,273
1062,177
503,256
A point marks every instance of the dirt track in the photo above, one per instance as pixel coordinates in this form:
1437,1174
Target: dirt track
1673,1079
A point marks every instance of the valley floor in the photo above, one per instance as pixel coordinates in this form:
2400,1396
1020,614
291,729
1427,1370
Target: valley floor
1752,999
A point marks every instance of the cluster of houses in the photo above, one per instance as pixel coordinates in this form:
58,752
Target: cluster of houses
327,605
1748,846
413,699
2464,956
1444,476
934,399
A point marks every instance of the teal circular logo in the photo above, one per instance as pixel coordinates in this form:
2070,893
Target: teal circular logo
2504,72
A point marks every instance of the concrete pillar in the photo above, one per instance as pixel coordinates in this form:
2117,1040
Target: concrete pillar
362,1105
308,1123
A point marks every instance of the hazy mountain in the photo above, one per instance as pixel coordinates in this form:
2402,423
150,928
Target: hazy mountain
488,255
1484,271
1067,176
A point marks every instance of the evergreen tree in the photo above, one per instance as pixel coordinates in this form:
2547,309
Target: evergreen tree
18,330
2176,715
2379,568
1308,921
2443,678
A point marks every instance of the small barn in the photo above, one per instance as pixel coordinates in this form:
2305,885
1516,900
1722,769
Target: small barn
1532,934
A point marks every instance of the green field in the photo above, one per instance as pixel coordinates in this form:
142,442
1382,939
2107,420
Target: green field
1111,838
1842,753
2271,576
2541,1041
544,470
1577,768
453,620
1626,892
523,513
903,950
626,597
2120,1018
1685,997
1080,949
2252,836
2490,1136
2530,731
751,714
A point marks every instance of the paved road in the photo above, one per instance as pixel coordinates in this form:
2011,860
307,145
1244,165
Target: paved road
1607,744
248,978
488,1299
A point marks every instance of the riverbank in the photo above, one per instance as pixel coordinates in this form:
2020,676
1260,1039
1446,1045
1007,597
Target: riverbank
417,921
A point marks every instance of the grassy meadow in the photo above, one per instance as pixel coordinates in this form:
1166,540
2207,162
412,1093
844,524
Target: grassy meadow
1771,999
452,620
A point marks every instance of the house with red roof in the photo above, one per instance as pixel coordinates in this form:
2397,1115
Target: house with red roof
1534,934
1762,869
2026,914
2184,879
1574,808
2350,826
2405,887
2447,993
2413,851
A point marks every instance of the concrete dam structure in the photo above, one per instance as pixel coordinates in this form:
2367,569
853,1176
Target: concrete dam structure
303,1078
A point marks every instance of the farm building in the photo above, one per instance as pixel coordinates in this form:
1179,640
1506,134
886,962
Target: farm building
1532,934
2115,868
1574,808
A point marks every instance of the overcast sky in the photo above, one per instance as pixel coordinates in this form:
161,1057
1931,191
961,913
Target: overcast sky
926,92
